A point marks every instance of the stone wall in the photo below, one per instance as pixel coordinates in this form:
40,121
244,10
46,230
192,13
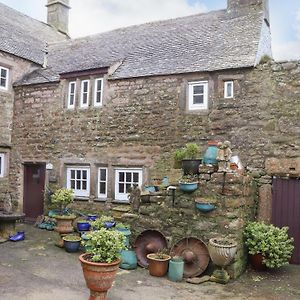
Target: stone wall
144,120
17,68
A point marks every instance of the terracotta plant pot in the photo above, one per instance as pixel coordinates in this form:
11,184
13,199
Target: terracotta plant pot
64,224
99,277
256,261
158,266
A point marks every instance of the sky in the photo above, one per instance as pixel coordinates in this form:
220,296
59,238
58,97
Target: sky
93,16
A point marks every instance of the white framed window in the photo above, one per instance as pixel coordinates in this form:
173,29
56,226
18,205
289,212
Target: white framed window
102,182
198,95
72,94
124,180
98,93
85,91
2,164
228,89
78,180
4,75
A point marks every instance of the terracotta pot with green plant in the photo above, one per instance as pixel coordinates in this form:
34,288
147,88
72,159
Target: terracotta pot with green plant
62,198
158,263
189,158
268,246
100,264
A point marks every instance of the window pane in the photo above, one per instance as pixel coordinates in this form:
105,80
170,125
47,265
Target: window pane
78,174
103,175
3,82
128,177
135,177
128,186
72,184
84,98
98,97
72,89
72,174
198,89
102,188
0,165
198,99
71,99
84,185
99,85
84,174
121,177
3,73
85,87
78,185
121,188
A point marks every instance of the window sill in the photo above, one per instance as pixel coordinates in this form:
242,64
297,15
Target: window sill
121,202
77,198
203,112
100,199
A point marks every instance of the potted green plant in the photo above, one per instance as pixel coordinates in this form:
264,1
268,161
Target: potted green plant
101,262
176,268
71,243
103,222
188,156
62,198
188,183
158,263
268,246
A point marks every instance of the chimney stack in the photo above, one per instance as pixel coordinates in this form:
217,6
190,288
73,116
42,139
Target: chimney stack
58,15
234,6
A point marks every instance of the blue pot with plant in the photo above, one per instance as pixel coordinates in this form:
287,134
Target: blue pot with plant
188,183
83,225
71,243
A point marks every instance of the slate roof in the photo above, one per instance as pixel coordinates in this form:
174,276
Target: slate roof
24,36
203,42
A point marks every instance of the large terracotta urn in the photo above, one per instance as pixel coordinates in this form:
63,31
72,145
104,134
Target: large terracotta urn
99,277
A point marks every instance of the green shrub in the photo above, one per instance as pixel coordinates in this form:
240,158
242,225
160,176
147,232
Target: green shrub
190,151
272,242
104,245
62,197
122,225
99,223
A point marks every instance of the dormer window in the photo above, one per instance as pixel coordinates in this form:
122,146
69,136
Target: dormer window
72,94
228,89
84,99
98,92
4,73
198,95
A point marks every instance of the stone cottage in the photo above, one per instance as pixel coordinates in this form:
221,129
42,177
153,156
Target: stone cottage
101,113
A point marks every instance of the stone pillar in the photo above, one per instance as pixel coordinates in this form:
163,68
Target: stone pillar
58,15
264,212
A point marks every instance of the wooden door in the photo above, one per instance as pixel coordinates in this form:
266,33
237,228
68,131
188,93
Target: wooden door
34,184
286,210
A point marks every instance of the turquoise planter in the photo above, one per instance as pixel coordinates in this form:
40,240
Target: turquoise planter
210,155
205,207
129,260
176,268
188,187
127,234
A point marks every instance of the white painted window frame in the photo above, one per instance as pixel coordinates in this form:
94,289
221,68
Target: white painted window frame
71,106
191,104
97,104
2,165
82,93
102,196
79,192
226,89
5,88
123,197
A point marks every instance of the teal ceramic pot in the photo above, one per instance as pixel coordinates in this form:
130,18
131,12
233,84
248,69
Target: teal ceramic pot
129,260
210,155
188,187
205,207
127,234
176,268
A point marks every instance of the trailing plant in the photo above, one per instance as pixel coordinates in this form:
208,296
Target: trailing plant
189,179
72,238
99,223
122,225
272,242
62,198
104,245
190,151
161,254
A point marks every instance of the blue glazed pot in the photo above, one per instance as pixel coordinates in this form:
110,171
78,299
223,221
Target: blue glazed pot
129,260
150,188
205,207
108,225
71,246
210,155
83,226
188,187
19,236
92,217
